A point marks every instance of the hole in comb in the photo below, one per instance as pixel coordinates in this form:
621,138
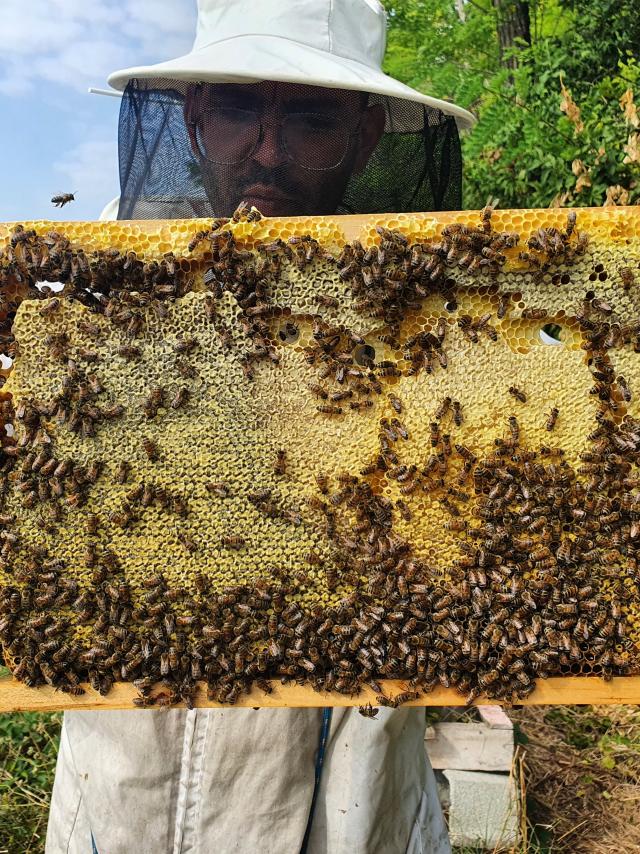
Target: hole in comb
364,354
289,333
551,334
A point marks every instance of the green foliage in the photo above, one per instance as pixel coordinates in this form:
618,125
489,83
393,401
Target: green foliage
524,146
28,747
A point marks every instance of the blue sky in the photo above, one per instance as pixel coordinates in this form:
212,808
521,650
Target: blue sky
54,137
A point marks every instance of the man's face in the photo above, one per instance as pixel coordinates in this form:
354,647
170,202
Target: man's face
288,149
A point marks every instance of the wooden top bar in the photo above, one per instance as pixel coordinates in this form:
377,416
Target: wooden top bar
572,690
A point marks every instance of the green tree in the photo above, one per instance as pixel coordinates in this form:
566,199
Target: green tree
553,93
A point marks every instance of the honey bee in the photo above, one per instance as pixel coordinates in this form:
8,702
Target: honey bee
50,307
241,212
457,413
123,471
129,352
399,427
534,313
184,346
151,449
327,301
368,711
601,306
280,464
330,410
197,238
92,523
180,398
62,199
221,490
233,542
624,388
552,418
519,395
154,401
404,510
395,402
318,390
628,277
188,543
113,411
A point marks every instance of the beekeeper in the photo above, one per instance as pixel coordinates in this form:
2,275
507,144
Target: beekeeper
282,103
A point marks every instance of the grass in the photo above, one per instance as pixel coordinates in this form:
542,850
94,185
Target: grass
582,771
577,769
28,747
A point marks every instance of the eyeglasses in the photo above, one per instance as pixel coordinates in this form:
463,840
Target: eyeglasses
227,136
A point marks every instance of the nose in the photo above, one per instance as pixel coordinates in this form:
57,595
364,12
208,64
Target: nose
270,151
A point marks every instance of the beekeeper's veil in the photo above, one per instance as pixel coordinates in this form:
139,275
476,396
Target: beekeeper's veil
336,44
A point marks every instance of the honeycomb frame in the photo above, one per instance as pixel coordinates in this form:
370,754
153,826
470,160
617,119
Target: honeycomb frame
405,351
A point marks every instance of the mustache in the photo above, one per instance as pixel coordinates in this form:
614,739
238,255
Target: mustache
277,178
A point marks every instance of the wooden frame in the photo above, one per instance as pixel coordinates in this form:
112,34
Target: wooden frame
571,690
15,696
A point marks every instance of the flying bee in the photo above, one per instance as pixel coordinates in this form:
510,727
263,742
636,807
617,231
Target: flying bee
151,449
62,199
552,418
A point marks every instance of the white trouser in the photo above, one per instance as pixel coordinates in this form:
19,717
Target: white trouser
239,780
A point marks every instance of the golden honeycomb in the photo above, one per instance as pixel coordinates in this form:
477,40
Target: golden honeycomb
332,450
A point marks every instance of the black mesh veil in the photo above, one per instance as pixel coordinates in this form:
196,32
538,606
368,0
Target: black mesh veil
416,166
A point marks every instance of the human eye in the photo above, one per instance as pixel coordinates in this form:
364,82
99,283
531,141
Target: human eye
312,122
233,116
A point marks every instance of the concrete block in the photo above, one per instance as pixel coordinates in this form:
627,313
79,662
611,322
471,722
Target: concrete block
469,747
483,810
494,717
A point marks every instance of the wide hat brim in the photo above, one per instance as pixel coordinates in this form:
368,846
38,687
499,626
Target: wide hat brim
253,58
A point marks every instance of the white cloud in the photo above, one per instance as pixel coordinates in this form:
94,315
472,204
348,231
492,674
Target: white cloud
77,43
90,170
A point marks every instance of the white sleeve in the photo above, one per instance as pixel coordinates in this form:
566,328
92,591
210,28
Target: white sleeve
110,211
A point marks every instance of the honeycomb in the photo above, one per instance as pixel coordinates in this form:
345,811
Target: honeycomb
329,450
